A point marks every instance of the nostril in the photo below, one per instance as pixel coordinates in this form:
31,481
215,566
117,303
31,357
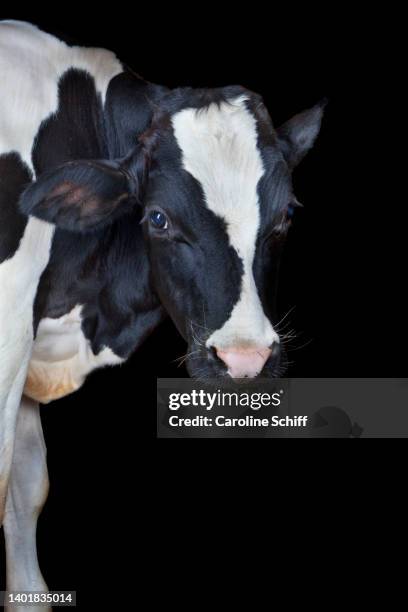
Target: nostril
212,353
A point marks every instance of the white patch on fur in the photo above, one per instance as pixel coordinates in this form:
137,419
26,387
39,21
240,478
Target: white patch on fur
62,358
219,147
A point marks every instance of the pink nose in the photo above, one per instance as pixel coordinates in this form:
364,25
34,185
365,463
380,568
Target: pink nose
244,362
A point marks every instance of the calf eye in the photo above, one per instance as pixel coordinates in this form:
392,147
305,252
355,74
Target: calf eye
292,207
158,220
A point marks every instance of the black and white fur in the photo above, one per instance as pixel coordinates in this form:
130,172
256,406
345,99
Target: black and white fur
88,150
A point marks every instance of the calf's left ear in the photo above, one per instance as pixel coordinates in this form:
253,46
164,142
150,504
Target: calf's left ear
85,195
297,136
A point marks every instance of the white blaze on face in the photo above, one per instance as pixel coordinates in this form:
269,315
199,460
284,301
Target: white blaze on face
219,148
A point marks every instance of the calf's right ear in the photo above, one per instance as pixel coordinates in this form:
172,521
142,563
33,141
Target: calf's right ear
85,195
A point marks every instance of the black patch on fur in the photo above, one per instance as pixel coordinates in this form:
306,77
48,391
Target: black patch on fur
108,273
129,108
107,270
76,130
187,97
14,176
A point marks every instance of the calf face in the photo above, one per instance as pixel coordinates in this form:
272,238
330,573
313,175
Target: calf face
213,179
217,208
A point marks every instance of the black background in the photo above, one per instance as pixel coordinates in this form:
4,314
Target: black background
343,267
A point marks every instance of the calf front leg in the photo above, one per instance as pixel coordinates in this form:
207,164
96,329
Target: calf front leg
19,277
27,492
12,379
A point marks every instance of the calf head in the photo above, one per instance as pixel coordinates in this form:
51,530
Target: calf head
213,179
217,209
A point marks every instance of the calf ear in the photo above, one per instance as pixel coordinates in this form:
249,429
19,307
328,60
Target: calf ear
85,195
297,135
